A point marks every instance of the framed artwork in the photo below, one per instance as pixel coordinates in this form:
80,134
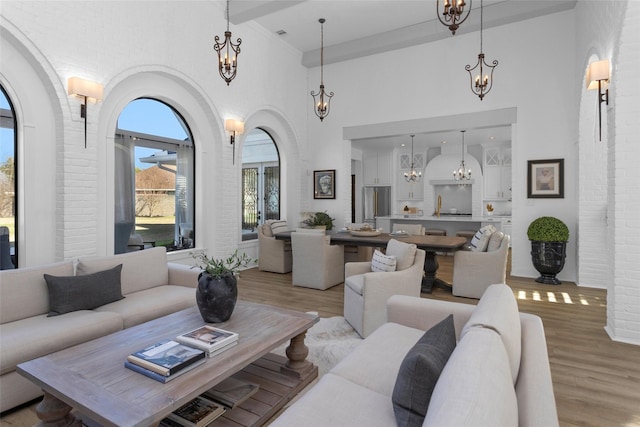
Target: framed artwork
324,184
545,179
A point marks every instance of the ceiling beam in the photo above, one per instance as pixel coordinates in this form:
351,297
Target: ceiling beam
243,11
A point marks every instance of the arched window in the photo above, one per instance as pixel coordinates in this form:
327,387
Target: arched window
260,181
8,201
154,178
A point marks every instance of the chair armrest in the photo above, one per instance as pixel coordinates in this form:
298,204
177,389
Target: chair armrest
183,275
353,268
423,313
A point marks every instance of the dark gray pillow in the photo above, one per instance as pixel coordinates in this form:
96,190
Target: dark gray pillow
419,373
86,292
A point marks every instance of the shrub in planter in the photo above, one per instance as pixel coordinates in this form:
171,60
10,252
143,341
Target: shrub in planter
548,236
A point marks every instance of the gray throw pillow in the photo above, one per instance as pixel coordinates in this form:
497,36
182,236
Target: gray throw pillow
86,292
420,371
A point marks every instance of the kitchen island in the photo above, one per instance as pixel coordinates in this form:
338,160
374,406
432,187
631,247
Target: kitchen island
450,223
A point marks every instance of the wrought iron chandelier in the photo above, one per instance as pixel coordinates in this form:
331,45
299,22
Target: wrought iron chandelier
481,85
453,13
462,174
413,175
322,99
227,54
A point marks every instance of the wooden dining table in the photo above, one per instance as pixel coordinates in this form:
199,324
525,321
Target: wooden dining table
430,244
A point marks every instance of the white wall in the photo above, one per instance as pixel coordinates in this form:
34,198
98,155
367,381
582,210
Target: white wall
430,81
134,50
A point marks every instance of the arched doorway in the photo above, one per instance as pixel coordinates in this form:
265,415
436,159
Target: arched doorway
8,193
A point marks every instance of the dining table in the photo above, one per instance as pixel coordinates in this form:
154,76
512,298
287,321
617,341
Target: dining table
432,245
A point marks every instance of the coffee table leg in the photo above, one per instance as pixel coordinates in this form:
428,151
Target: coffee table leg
55,413
297,352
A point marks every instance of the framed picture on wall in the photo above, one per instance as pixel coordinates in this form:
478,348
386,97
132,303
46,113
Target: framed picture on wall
324,184
545,179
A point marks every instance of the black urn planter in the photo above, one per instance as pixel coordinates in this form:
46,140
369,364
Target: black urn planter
548,258
216,297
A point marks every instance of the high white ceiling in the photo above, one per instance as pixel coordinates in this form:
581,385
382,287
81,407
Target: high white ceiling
356,28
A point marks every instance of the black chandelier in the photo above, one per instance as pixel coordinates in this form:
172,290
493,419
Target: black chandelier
453,13
462,174
481,85
322,99
413,175
227,54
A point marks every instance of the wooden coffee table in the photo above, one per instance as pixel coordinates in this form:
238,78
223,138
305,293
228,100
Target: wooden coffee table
91,377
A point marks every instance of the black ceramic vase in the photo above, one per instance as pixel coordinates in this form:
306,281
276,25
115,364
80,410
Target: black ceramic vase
548,259
216,298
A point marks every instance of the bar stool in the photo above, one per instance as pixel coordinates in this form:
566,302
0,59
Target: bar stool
468,234
435,232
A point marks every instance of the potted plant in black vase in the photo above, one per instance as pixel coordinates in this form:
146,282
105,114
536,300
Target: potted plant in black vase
548,236
217,290
318,220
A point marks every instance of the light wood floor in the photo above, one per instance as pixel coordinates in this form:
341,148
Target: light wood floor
596,381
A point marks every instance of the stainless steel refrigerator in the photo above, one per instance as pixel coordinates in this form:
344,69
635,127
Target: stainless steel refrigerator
376,201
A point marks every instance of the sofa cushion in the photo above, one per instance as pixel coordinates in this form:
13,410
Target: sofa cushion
475,387
419,373
405,253
498,310
142,306
72,293
38,336
337,402
480,240
382,352
381,262
140,269
495,241
24,291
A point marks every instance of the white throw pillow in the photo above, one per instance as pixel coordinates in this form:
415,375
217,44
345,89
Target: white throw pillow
495,241
278,226
381,262
480,240
405,253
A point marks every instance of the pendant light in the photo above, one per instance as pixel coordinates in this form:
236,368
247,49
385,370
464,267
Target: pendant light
321,100
462,174
412,175
453,13
227,54
481,85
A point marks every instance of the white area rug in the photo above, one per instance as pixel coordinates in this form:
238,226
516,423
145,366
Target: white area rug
329,341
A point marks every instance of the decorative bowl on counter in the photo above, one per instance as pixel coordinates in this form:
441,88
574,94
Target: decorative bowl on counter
365,233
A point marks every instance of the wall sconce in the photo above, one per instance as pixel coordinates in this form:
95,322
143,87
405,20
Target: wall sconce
90,91
234,127
598,75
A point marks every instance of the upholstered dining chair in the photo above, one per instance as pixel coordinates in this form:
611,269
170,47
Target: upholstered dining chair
475,271
274,255
367,288
316,262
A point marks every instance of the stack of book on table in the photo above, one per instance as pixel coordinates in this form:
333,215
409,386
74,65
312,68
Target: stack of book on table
209,339
199,412
169,359
165,360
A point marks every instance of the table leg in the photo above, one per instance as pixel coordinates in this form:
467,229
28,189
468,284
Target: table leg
55,413
430,270
297,352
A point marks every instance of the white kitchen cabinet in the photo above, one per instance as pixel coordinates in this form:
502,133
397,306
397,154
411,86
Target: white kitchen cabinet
376,167
497,172
409,190
405,160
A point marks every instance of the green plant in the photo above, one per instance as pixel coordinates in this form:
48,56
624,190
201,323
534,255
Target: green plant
319,218
222,266
548,229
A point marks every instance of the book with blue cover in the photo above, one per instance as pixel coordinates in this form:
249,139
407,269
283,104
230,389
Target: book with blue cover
159,377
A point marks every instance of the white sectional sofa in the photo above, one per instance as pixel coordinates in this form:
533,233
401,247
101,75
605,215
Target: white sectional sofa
497,375
151,287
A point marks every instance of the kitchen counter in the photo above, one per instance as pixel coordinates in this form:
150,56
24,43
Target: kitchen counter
450,223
